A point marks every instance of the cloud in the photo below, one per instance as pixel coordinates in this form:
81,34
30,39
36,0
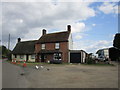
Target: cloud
78,37
78,27
21,19
108,8
92,46
93,25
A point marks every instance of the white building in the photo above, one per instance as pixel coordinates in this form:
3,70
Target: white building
24,51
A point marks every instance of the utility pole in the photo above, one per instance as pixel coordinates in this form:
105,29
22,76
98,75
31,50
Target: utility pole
9,42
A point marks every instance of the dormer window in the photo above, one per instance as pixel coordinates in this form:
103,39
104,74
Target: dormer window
57,45
43,46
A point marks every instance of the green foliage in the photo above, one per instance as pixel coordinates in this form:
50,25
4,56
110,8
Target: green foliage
90,61
4,51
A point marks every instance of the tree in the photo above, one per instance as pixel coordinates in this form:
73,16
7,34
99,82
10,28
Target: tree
116,41
4,51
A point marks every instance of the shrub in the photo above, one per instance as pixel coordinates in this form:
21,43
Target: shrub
90,61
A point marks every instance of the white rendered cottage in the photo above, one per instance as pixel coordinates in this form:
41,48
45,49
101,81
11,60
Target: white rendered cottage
24,50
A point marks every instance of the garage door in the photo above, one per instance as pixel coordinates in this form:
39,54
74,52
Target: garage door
75,58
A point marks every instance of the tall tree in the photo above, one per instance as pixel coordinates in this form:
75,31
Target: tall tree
116,41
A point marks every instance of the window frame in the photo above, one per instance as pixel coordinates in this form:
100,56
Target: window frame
57,56
32,56
21,56
42,46
57,45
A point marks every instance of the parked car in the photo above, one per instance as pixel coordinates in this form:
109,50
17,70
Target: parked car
56,61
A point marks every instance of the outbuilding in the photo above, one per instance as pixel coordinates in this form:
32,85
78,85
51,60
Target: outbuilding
78,56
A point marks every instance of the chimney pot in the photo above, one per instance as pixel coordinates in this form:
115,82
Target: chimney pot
19,39
69,28
43,32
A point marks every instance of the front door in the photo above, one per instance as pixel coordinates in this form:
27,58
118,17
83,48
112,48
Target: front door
42,57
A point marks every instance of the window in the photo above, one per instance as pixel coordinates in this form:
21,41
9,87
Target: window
57,45
57,56
33,56
43,46
21,56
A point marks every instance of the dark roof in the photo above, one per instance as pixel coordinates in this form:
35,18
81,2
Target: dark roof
25,47
77,51
54,37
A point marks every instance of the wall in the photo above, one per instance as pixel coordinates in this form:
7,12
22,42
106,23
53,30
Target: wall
51,46
19,59
31,59
65,52
70,42
37,48
84,57
106,53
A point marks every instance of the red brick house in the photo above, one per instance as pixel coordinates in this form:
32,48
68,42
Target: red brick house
54,46
51,46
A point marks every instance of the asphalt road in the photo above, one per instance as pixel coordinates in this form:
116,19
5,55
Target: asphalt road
11,76
59,76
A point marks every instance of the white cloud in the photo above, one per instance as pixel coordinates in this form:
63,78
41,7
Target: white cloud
108,8
92,46
60,1
93,25
20,18
78,27
78,37
33,34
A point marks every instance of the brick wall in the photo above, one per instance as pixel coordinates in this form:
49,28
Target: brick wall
51,46
64,49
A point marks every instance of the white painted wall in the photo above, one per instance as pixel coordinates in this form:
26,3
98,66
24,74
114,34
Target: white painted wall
70,46
106,53
31,59
24,58
18,57
84,56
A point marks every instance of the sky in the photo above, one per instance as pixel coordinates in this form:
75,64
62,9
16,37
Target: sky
93,24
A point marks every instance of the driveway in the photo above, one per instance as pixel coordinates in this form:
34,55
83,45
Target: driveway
60,76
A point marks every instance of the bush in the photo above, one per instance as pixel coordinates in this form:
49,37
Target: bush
90,61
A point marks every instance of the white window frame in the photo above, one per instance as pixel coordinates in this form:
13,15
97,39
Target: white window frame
57,45
43,46
21,56
56,55
33,56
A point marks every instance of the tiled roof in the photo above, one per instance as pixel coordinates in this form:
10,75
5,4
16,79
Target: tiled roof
54,37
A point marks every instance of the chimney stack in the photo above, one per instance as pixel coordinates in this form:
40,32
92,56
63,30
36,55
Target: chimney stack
69,28
19,39
43,32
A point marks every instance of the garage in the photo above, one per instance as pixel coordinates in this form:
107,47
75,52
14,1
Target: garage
75,57
78,56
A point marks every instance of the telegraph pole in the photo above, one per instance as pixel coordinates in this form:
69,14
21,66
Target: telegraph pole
9,42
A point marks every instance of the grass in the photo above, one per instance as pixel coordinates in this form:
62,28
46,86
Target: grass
99,64
39,63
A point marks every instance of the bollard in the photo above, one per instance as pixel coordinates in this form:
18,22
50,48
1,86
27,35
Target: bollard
15,62
24,64
18,62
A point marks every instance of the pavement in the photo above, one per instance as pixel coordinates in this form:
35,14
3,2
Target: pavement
11,77
59,76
